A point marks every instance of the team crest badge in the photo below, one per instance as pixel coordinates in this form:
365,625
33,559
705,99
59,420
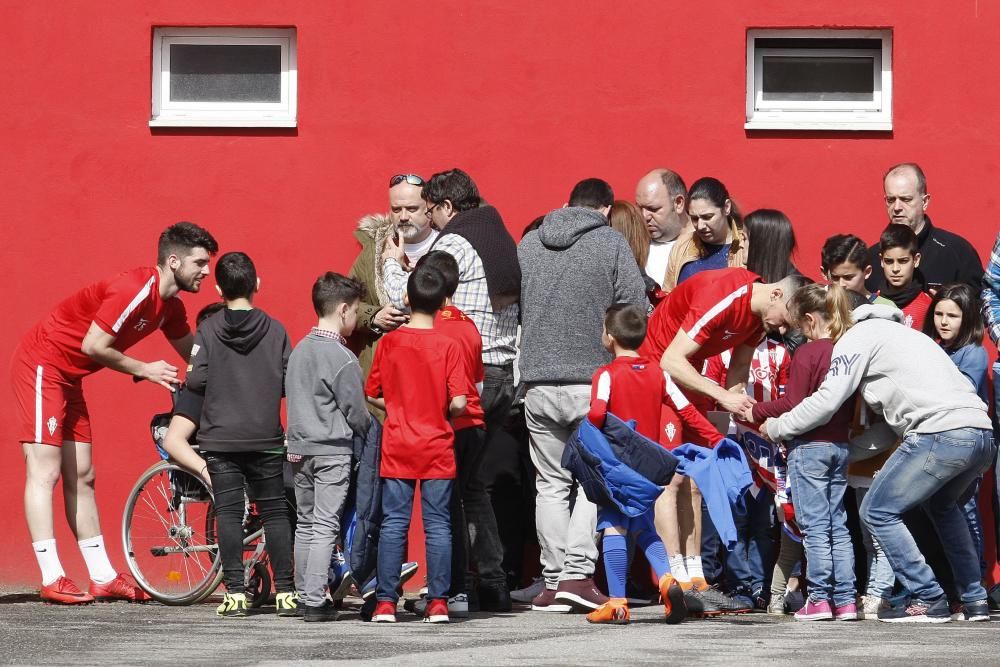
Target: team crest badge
671,431
51,425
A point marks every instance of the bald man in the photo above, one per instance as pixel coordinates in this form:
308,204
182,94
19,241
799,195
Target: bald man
662,197
945,257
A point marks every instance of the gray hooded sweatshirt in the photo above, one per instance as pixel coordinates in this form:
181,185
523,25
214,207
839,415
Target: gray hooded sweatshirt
901,373
572,268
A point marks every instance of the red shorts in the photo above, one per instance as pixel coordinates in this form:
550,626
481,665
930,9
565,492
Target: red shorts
50,408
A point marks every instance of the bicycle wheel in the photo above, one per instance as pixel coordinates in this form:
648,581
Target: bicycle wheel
168,531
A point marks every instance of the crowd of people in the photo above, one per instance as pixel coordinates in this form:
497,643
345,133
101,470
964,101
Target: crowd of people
681,413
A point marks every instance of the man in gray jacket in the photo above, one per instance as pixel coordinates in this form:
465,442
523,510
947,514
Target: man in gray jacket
573,267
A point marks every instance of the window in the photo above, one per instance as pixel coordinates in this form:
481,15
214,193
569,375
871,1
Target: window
224,77
819,79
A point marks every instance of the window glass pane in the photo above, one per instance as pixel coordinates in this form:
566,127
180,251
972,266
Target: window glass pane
823,78
225,73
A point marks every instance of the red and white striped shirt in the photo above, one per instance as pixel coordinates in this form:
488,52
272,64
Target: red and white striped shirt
127,306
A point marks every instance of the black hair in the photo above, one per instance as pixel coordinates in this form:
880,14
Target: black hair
453,185
898,236
714,191
967,300
844,248
446,264
426,290
592,193
332,289
772,242
917,171
236,276
181,238
208,311
626,323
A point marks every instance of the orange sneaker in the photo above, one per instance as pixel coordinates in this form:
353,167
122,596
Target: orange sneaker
699,584
64,591
613,612
674,607
121,587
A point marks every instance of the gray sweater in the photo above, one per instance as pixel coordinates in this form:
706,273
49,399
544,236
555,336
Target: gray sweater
572,268
326,397
900,372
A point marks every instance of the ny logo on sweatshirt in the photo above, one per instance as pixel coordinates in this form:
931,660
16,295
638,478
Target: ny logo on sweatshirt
842,364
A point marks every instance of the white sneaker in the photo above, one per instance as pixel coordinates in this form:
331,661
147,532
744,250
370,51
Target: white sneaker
527,594
870,606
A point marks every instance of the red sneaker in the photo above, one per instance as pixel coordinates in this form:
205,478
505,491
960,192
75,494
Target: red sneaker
121,587
437,611
64,591
385,612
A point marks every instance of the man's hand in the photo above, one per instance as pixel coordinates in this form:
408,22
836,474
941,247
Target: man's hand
161,373
390,318
736,403
394,251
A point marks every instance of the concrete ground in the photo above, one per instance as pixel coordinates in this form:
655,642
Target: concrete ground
36,633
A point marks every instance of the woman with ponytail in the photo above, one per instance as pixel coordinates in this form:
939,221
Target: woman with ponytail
817,459
947,443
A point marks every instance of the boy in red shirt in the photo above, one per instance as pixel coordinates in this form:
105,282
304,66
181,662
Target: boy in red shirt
899,251
418,377
632,388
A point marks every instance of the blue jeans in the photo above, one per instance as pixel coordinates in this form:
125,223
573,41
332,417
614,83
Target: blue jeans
818,475
749,564
881,579
932,470
397,507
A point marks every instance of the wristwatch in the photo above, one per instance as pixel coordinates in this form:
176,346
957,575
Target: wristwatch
376,329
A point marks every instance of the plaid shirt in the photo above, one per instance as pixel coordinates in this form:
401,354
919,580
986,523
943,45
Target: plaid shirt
991,293
498,328
326,333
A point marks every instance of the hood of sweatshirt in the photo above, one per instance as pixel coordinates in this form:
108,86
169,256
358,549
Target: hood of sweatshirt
242,332
564,226
877,311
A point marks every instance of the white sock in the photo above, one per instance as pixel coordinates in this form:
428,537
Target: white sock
677,568
48,561
693,565
96,557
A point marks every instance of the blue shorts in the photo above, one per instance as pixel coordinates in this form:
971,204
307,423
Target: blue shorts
610,517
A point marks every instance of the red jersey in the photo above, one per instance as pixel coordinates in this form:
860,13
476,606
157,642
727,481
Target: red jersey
632,388
768,370
457,326
418,372
127,307
915,311
712,308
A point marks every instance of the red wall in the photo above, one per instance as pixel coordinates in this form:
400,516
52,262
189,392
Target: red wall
528,97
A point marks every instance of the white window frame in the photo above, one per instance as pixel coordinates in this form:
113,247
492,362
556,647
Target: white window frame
873,115
167,113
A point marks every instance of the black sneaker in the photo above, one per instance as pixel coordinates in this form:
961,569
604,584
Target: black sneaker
918,611
977,611
321,614
695,603
494,598
716,602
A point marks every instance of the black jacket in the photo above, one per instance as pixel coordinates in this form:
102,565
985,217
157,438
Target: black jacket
238,363
945,258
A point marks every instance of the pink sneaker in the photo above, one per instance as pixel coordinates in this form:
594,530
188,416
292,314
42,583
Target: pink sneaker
846,612
816,611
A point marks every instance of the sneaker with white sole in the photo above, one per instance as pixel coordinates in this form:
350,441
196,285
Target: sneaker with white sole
815,610
580,594
458,606
546,601
527,594
870,607
918,611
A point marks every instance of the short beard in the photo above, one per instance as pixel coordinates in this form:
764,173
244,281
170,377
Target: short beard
409,232
186,285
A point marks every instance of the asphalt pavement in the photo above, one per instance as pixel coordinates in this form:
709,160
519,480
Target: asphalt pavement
35,633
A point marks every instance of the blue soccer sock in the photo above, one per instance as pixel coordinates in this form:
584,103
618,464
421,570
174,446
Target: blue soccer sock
615,563
652,546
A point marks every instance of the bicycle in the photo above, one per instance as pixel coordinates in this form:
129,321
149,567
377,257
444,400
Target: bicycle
169,535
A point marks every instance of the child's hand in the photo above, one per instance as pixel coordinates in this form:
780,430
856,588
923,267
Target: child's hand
763,431
394,251
747,415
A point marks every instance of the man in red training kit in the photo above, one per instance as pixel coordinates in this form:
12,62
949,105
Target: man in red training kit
89,331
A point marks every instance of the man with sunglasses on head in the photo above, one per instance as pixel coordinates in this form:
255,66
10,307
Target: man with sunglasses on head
407,227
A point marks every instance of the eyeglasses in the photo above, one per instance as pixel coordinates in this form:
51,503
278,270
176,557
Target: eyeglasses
412,179
430,209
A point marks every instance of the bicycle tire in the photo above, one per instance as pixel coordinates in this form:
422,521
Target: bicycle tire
167,555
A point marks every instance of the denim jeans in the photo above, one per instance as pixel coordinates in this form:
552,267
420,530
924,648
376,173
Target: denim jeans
818,475
565,520
933,470
260,475
881,579
397,507
748,564
970,509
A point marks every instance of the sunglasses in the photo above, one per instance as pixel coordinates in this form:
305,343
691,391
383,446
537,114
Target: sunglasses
412,179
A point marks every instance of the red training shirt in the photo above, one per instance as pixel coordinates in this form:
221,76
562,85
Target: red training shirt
418,372
712,308
453,323
915,312
127,306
